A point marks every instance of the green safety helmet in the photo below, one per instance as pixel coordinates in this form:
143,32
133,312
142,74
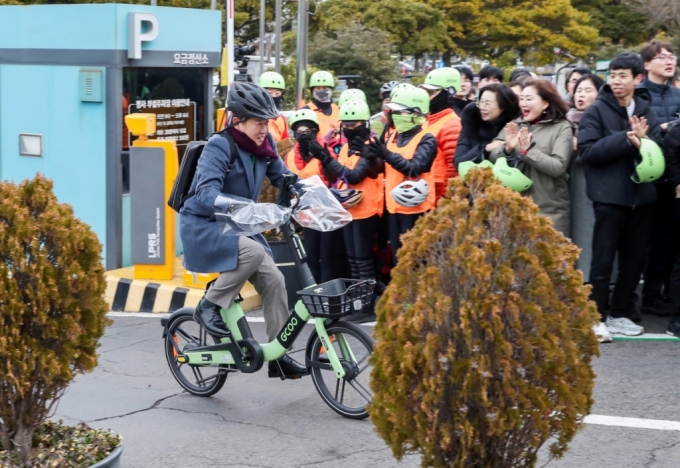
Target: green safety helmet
303,114
271,80
652,162
354,94
466,166
322,78
442,78
511,177
354,110
409,98
400,86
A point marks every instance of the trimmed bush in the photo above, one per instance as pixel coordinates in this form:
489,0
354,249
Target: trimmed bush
52,308
484,336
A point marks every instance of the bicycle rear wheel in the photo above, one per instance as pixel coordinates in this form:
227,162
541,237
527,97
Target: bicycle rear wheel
348,396
198,380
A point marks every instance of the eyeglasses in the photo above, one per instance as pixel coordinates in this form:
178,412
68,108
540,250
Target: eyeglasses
483,104
666,58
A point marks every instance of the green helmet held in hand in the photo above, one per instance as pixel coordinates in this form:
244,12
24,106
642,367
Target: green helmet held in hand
467,166
322,78
442,78
511,177
354,110
652,162
354,94
272,80
411,98
303,114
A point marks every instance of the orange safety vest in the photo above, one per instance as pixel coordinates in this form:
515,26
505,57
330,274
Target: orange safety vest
326,122
278,127
374,189
439,163
312,168
394,177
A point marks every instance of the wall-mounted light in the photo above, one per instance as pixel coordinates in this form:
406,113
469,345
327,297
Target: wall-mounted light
30,144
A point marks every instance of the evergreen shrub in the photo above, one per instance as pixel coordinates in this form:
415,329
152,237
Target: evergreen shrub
484,337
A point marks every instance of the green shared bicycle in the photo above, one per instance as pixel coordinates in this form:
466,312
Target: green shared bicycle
337,353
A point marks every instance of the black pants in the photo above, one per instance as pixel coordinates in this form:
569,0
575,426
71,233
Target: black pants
674,284
400,224
326,254
663,245
622,230
360,237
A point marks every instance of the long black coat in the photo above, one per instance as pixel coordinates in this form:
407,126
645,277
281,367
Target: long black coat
476,134
608,157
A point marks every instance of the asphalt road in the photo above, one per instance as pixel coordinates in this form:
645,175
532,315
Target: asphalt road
255,421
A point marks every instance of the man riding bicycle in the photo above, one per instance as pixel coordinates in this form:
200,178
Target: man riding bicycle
238,259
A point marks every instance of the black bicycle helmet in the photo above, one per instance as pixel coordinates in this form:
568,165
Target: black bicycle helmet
247,100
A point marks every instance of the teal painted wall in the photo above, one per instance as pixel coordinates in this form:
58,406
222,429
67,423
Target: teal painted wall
44,100
105,26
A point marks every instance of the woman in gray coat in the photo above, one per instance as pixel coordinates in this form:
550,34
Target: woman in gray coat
237,258
541,141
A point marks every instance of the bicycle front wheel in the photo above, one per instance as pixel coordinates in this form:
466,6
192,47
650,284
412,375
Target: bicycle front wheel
348,396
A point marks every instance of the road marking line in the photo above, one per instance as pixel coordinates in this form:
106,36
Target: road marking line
637,423
647,337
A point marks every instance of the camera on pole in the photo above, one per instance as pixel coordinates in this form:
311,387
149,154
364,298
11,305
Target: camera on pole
240,53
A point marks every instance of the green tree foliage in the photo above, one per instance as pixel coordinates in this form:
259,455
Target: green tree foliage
483,338
52,308
356,50
617,21
413,26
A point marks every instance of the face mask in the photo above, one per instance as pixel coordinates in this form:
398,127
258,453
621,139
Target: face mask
361,131
304,139
278,101
322,95
404,123
440,102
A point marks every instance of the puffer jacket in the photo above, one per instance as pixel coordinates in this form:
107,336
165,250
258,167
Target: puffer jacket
421,161
665,100
608,157
476,134
447,140
546,165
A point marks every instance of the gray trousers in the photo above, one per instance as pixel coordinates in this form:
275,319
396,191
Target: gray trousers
256,266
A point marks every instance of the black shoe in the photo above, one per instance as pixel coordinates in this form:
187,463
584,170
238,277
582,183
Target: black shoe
673,329
290,367
656,306
208,315
361,317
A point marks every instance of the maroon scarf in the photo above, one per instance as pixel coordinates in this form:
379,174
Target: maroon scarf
244,142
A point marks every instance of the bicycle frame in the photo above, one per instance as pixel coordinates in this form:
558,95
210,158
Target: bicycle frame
236,321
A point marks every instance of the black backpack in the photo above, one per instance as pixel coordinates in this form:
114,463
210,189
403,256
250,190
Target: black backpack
181,189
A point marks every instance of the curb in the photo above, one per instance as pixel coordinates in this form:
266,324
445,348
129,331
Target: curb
126,295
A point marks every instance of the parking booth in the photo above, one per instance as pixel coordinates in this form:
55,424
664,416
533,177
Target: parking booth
69,74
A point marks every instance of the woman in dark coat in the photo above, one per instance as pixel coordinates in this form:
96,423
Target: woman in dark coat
483,121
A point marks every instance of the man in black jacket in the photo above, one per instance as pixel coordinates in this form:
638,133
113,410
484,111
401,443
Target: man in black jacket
660,63
671,147
608,143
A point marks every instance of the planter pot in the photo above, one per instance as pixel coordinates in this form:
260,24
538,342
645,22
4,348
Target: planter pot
112,461
284,260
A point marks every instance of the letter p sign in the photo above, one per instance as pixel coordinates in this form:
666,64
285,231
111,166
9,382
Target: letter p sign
135,34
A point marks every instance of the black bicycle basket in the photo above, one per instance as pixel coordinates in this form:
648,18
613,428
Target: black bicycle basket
337,298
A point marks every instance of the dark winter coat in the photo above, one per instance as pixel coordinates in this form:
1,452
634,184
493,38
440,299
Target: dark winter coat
459,105
608,157
206,250
476,134
671,150
665,100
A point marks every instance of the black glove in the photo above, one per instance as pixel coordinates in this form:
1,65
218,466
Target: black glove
378,149
320,153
